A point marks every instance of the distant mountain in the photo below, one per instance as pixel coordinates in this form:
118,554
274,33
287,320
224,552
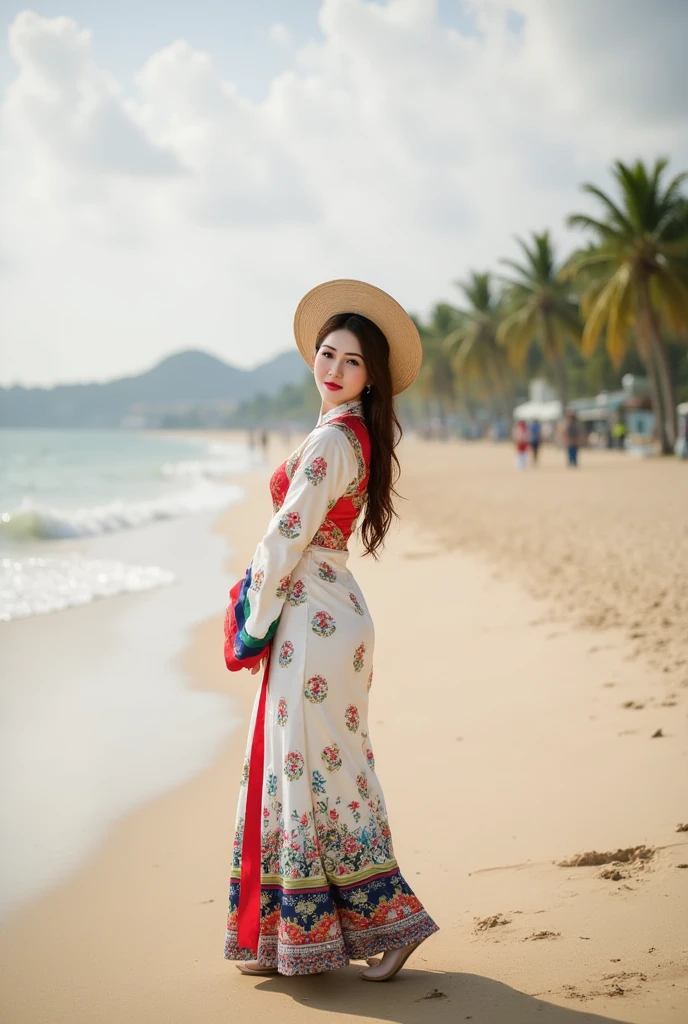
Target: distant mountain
191,381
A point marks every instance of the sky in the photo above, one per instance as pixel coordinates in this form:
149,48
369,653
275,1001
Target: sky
177,175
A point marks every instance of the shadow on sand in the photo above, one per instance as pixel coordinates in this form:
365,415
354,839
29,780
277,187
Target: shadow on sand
420,997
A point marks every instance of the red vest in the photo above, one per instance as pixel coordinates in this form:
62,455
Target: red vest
335,530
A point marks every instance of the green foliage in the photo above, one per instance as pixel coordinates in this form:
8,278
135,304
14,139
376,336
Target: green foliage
540,308
629,286
641,241
477,357
634,275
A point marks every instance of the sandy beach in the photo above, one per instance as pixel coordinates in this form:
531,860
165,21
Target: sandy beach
529,708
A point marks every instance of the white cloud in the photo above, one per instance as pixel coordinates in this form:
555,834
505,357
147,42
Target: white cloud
394,149
280,35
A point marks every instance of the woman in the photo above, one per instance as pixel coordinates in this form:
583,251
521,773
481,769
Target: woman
314,880
519,436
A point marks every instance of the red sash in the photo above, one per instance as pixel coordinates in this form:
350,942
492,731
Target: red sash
251,846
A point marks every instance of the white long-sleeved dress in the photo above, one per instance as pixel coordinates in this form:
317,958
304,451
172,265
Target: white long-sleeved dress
313,848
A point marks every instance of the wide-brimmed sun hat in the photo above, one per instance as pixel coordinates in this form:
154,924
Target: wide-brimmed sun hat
345,296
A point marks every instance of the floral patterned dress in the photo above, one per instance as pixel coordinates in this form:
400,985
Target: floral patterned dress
314,881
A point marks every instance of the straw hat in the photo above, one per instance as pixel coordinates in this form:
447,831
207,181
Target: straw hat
343,296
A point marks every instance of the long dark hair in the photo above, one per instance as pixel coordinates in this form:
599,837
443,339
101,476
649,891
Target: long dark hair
382,423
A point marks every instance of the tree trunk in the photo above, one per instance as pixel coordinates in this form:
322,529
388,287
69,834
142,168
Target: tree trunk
558,359
562,382
655,397
661,392
501,389
666,385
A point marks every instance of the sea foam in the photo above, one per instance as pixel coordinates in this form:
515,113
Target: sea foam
33,586
29,521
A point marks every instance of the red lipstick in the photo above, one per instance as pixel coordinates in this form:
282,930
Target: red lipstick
332,387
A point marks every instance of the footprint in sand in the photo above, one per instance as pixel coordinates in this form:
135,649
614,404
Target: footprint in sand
634,857
484,924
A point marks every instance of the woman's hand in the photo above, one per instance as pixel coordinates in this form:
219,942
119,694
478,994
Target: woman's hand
259,666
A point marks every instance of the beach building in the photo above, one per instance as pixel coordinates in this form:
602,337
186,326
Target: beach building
597,414
631,405
542,405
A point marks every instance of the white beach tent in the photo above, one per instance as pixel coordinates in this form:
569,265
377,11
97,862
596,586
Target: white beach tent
545,412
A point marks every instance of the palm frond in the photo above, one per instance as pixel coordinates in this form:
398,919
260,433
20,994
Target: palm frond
621,314
619,220
670,297
582,220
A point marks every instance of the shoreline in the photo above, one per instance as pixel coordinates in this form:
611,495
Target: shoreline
513,776
89,694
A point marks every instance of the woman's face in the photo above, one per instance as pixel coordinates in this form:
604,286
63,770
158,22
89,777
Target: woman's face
339,370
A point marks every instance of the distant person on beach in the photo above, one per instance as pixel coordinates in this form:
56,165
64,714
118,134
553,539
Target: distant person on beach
520,437
314,881
264,442
619,431
572,438
535,437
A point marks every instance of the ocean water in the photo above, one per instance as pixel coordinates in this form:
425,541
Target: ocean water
65,485
109,559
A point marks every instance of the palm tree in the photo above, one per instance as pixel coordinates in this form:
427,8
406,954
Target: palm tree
541,309
436,377
473,344
635,275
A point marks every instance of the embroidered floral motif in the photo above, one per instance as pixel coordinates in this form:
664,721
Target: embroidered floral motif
315,689
360,461
276,490
257,580
359,655
329,536
323,624
370,680
283,588
289,525
355,813
352,718
293,765
370,759
271,785
356,604
326,572
244,771
297,595
286,653
292,462
345,850
316,471
362,785
282,712
318,783
331,758
304,931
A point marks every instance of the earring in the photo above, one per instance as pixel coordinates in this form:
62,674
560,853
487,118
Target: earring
368,388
